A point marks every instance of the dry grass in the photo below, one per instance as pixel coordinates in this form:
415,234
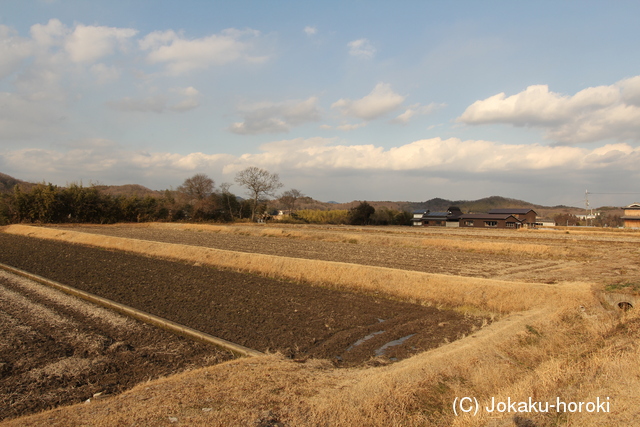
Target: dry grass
394,238
554,341
528,249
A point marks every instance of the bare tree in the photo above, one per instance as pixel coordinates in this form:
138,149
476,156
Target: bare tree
290,197
197,187
259,183
228,198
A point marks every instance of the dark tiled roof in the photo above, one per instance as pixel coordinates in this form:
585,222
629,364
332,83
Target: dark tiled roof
511,211
442,214
487,216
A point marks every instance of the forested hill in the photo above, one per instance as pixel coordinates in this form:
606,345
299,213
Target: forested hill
128,190
8,182
473,206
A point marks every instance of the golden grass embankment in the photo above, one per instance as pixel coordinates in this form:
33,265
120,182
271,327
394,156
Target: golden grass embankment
553,341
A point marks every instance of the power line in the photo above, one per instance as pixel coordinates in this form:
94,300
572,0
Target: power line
589,192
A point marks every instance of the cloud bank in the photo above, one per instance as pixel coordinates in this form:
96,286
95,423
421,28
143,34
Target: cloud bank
593,114
430,156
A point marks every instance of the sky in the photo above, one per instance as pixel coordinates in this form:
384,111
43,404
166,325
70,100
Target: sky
345,100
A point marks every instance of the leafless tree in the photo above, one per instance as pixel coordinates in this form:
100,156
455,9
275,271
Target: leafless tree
290,197
197,187
259,183
227,197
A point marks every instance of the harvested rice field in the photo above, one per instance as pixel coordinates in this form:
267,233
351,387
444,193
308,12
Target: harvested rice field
545,256
359,325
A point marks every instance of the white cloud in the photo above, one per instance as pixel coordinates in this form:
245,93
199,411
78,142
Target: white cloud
190,99
90,43
50,34
438,155
416,110
182,55
348,126
379,102
279,117
310,31
630,90
105,73
435,155
361,48
13,51
177,100
593,114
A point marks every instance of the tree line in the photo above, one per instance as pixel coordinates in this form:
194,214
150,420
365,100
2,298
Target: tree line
196,199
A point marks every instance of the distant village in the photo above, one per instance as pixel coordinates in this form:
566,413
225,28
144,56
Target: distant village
504,218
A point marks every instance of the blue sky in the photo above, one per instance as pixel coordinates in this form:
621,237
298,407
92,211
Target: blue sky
356,100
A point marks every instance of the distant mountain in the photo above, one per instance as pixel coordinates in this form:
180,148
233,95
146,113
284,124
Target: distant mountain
7,183
128,190
473,206
439,204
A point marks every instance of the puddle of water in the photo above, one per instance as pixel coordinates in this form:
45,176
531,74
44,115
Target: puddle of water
381,350
368,337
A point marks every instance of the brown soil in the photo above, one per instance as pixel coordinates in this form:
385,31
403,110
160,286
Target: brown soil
56,350
260,313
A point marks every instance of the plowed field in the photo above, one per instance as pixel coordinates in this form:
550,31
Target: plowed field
268,315
56,349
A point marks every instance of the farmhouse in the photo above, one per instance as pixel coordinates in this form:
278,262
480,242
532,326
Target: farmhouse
450,218
631,216
490,220
526,216
417,219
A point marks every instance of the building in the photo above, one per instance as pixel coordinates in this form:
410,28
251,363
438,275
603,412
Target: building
528,217
418,217
490,220
631,216
450,218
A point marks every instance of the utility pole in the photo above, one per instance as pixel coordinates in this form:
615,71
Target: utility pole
586,207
